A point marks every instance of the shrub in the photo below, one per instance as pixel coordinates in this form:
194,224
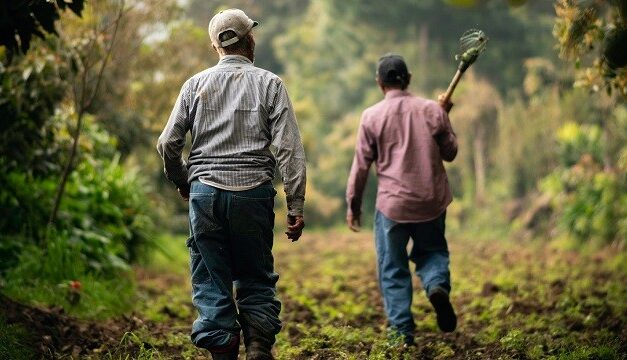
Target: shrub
107,211
589,199
105,208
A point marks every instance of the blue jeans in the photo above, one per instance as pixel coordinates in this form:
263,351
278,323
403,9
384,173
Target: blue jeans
430,254
231,249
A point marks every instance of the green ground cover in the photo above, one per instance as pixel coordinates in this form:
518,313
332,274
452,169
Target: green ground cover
514,300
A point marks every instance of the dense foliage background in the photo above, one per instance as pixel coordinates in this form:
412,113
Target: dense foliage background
86,88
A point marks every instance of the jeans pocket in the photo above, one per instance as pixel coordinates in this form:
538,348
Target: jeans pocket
252,215
199,273
202,213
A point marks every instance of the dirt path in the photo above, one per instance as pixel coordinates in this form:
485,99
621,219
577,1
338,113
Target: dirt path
519,301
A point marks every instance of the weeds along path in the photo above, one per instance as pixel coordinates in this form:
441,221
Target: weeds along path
514,301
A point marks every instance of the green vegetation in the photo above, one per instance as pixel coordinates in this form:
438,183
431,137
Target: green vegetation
591,200
14,342
538,225
593,34
59,274
75,253
32,19
514,300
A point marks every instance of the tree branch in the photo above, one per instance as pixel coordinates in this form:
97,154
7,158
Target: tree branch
82,105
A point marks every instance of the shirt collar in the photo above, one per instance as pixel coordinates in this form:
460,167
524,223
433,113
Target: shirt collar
393,93
234,59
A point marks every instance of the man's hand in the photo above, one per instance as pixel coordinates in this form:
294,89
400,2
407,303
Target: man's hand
354,222
184,191
295,225
445,105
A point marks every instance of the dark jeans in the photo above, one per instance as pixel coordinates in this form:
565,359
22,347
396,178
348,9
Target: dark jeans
231,248
430,254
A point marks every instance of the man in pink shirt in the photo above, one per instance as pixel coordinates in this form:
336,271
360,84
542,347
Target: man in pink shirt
407,137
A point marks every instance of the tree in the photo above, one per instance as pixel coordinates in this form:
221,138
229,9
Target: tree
128,99
21,19
593,35
89,62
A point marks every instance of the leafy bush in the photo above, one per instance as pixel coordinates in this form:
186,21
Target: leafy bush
577,140
105,208
24,203
59,260
30,90
591,201
107,211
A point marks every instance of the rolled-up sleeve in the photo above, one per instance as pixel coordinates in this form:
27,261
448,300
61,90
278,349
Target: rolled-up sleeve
365,154
446,138
290,153
172,140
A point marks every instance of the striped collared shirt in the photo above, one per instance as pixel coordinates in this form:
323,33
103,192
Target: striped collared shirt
236,112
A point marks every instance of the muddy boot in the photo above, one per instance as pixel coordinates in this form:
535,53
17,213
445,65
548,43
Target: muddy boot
258,344
228,352
447,320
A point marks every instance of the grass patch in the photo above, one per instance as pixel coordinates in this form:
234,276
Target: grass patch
97,298
57,275
133,347
15,342
165,285
171,255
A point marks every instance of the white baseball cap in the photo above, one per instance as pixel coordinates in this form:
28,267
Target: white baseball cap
232,19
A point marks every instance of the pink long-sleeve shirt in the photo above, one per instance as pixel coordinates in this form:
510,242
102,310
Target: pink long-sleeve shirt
407,137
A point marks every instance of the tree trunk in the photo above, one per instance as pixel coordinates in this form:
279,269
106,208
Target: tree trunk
607,138
83,98
67,170
480,163
423,55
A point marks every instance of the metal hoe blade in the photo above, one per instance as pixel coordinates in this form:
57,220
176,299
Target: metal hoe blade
472,43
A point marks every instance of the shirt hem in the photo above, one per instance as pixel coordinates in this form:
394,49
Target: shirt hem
231,188
421,220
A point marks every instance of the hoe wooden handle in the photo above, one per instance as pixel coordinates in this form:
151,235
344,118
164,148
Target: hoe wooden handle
452,85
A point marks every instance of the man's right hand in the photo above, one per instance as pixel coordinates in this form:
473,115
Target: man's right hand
354,222
184,192
445,105
295,225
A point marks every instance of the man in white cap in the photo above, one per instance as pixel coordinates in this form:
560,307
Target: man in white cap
235,113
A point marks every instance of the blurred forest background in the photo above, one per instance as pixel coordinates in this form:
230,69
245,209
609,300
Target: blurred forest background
86,88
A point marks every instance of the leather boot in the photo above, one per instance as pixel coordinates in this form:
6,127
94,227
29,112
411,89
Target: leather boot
228,352
258,344
447,320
